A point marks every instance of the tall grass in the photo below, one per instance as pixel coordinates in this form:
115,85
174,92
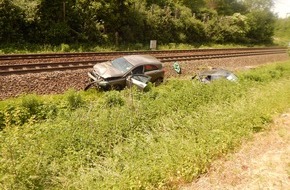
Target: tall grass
135,140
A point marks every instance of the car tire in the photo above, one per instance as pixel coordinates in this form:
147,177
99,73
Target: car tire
158,81
117,87
89,86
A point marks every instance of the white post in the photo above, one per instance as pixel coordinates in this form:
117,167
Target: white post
153,44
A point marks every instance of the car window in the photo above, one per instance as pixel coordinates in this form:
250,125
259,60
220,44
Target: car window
138,70
122,64
150,68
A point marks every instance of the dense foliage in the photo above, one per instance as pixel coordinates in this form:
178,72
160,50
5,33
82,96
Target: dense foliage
134,140
136,21
282,31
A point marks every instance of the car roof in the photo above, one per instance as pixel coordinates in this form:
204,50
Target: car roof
141,59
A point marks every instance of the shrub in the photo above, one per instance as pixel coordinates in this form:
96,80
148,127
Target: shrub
74,100
15,115
114,98
266,74
2,120
64,48
32,104
29,109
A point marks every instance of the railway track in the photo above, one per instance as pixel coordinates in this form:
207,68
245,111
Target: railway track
163,56
38,76
12,57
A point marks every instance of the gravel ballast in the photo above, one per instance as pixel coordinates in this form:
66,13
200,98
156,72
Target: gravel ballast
61,81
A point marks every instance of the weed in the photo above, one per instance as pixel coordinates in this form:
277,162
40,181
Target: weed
31,103
2,120
74,100
114,98
65,48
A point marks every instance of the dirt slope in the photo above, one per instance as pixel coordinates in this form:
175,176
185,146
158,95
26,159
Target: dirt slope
262,163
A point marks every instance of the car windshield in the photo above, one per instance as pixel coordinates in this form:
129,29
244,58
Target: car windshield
122,64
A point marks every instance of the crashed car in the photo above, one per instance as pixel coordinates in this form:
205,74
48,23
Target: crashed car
215,74
120,72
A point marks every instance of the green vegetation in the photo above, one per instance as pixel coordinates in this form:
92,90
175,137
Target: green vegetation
129,24
134,140
282,32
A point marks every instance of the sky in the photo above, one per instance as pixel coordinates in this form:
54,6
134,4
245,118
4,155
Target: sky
282,7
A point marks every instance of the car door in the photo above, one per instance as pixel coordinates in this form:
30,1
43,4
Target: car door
139,80
152,71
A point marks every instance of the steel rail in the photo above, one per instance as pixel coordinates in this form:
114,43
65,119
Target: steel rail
74,65
118,53
213,56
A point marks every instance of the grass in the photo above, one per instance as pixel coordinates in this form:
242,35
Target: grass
260,163
134,140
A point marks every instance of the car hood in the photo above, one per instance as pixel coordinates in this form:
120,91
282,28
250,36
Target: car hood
106,70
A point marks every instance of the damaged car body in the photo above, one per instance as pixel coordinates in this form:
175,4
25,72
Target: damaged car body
115,74
215,74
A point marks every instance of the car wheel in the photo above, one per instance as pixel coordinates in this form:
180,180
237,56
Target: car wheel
118,87
158,81
90,85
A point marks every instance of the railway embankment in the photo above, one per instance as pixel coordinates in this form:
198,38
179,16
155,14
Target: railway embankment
61,81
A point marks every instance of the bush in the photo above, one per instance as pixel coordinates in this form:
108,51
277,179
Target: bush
2,120
16,115
113,99
74,100
29,109
266,74
32,104
64,48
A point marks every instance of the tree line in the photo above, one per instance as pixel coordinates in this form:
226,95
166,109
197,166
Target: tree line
136,21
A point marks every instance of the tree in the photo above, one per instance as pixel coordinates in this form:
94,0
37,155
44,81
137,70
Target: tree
258,5
229,29
160,3
261,26
117,18
194,5
134,21
59,21
189,29
11,22
226,7
88,24
29,8
282,31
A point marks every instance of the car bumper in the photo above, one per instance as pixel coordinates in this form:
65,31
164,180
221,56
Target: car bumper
97,80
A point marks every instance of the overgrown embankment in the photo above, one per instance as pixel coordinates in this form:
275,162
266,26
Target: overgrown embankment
130,139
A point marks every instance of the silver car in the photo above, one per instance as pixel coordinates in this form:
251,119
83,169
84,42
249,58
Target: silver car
215,74
115,74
